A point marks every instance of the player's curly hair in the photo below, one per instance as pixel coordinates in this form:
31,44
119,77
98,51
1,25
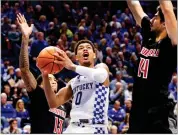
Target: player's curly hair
84,41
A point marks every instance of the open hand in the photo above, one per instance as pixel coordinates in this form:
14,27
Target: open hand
25,29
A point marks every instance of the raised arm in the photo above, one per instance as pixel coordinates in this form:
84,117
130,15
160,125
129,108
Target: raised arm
170,19
27,76
55,100
137,11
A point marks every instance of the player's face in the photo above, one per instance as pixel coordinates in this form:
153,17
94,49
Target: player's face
85,54
53,82
156,24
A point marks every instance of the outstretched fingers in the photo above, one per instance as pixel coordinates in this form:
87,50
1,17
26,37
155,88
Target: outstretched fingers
18,21
21,18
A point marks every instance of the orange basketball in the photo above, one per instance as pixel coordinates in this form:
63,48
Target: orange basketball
45,61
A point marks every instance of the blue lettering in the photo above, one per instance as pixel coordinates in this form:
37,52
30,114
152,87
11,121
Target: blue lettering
87,87
91,85
80,87
83,86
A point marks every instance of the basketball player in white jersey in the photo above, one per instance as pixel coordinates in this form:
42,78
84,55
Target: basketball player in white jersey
89,91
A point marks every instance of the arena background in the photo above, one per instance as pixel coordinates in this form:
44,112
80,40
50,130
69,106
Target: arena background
109,25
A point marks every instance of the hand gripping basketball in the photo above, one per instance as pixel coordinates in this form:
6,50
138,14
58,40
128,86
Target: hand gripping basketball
45,61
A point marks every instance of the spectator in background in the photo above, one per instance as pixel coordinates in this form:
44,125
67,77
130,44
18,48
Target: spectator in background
111,68
128,105
75,38
90,35
173,84
103,45
124,126
13,34
117,94
38,12
5,65
7,111
38,45
25,97
117,113
7,90
116,44
9,75
42,25
82,23
29,14
36,48
72,46
115,22
118,79
51,13
51,39
60,44
64,39
67,15
13,128
26,129
65,30
81,33
5,28
111,55
99,53
19,83
56,23
51,28
138,48
21,112
173,88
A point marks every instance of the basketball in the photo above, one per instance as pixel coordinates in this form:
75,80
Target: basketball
45,60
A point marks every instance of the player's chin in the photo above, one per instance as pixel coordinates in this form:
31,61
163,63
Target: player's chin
86,62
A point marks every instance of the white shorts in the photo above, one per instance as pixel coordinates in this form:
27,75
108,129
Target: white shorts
85,128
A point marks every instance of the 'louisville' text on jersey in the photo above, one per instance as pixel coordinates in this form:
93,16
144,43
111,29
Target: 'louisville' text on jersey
150,52
84,86
58,112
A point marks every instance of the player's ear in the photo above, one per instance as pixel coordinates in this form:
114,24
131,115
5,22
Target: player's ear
94,56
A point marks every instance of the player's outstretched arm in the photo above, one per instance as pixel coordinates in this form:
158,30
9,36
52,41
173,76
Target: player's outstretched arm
137,11
55,100
170,20
99,74
27,76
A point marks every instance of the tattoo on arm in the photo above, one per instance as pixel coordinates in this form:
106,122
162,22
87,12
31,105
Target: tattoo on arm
27,76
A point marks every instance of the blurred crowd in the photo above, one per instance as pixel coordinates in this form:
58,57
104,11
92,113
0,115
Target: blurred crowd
109,25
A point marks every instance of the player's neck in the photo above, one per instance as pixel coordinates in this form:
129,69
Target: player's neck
89,65
161,35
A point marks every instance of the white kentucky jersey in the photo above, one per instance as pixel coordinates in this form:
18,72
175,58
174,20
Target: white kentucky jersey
90,100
